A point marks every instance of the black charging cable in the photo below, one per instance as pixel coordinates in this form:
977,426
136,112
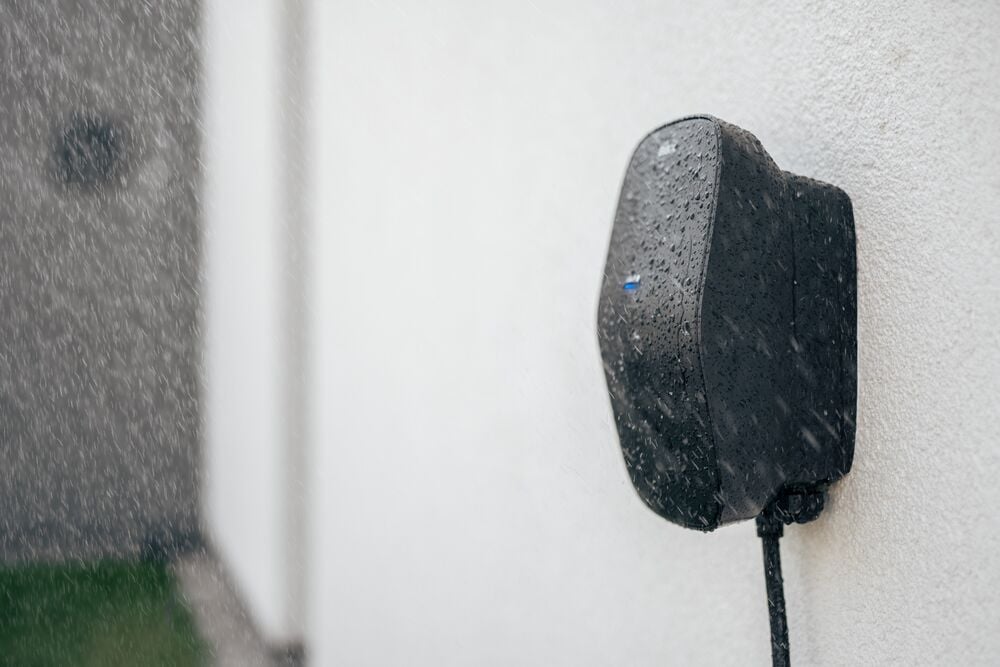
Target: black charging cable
770,528
795,505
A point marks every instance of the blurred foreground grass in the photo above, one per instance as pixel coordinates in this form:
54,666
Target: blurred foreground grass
107,615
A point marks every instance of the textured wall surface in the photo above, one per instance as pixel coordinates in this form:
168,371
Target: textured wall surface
99,270
471,502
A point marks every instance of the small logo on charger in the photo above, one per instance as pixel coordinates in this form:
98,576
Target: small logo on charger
666,148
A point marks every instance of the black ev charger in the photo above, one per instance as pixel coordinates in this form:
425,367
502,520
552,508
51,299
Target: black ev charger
727,323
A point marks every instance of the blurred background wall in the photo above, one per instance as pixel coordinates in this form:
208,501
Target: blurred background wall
100,260
471,506
254,509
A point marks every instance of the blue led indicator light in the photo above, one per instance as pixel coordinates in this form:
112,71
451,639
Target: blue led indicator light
632,283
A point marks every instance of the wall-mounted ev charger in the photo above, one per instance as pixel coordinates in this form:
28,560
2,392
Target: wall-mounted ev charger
727,323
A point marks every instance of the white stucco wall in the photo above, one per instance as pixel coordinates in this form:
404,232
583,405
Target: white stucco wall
250,497
471,506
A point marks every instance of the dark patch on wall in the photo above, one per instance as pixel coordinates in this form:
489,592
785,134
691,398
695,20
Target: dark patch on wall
91,150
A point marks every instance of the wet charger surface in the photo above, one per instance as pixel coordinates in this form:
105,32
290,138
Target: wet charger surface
727,325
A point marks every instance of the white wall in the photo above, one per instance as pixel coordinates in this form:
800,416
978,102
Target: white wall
471,504
251,498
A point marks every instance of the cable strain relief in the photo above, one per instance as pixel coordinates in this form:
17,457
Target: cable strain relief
794,505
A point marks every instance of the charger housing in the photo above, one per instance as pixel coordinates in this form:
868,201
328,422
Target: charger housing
727,325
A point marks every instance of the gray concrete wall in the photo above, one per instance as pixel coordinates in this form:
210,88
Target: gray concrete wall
99,273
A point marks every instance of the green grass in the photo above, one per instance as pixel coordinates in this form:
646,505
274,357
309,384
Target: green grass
103,615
